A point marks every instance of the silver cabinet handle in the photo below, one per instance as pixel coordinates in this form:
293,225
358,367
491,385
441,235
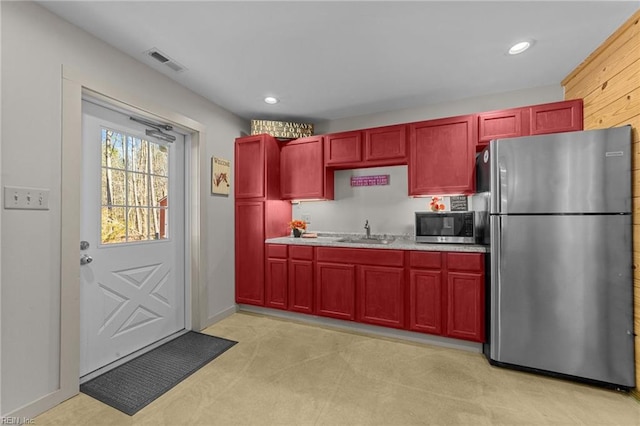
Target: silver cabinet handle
86,259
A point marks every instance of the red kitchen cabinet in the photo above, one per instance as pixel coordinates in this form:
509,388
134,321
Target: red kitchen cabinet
257,167
343,148
465,296
249,252
335,290
385,146
380,295
301,279
425,292
509,123
556,117
303,174
276,276
442,156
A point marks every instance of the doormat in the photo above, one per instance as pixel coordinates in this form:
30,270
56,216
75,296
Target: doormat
135,384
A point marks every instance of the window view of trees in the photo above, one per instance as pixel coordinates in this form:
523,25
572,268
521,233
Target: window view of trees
135,188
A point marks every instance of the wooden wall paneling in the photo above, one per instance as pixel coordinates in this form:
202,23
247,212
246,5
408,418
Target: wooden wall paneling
609,83
601,57
615,87
619,111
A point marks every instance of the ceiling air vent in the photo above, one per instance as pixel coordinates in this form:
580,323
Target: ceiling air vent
165,60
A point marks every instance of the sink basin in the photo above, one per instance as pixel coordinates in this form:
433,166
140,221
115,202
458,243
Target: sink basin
364,241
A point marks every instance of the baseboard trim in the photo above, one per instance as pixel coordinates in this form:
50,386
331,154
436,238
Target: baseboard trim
365,329
220,316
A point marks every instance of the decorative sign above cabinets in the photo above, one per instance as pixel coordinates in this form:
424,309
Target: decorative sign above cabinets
377,180
281,129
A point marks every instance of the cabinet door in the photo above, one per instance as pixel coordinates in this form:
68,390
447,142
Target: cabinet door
335,290
384,145
249,252
509,123
249,167
442,156
465,306
343,148
380,296
302,169
276,283
301,286
557,117
425,298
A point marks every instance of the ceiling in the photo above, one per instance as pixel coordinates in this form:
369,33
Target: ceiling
336,59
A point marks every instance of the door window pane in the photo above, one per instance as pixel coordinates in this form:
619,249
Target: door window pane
135,188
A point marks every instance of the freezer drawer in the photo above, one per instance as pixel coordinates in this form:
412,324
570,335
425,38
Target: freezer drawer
562,295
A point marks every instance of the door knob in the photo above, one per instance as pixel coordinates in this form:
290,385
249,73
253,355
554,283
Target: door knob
86,259
84,245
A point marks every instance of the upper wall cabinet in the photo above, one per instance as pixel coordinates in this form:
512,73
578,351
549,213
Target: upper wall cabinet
508,123
386,145
557,117
302,171
253,179
343,148
442,156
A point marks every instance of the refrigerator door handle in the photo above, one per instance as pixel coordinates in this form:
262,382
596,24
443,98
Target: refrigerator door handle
496,281
495,177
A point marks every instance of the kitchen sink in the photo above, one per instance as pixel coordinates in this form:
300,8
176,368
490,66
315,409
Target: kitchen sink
365,241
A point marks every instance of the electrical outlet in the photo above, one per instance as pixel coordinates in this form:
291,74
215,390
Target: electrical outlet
21,198
307,218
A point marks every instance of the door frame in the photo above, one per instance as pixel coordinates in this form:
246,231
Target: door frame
74,86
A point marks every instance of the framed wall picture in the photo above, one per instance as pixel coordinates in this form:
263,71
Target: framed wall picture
220,176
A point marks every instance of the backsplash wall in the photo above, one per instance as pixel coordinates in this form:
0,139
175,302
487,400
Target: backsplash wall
388,208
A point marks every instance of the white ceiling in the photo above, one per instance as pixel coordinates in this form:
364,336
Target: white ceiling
335,59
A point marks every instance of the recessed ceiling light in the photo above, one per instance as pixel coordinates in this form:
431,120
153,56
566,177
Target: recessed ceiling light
519,47
271,100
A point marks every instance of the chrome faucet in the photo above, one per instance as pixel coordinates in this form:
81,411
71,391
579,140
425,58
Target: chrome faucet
368,228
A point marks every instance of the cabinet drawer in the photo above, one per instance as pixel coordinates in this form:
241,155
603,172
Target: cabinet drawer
465,261
302,253
425,259
381,257
277,250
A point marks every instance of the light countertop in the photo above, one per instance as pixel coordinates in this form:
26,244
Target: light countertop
400,243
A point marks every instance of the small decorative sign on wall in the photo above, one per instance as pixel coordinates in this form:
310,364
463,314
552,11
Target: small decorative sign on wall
459,203
281,129
220,176
376,180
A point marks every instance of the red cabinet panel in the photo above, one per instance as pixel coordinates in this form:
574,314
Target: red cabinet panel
508,123
257,167
386,145
425,259
301,285
381,296
442,156
425,301
303,175
557,117
301,252
277,250
465,306
249,252
360,256
335,290
465,262
276,283
343,148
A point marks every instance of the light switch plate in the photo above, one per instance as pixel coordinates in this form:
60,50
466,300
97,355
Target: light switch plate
306,217
23,198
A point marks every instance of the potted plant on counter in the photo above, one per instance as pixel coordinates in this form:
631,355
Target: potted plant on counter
298,226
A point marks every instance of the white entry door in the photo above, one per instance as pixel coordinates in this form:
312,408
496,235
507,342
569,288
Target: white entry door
132,290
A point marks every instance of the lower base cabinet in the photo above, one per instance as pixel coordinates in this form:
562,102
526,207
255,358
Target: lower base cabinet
335,290
440,293
380,296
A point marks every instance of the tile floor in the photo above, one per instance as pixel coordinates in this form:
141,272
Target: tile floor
287,373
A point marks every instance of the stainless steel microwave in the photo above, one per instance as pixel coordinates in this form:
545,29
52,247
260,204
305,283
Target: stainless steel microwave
445,227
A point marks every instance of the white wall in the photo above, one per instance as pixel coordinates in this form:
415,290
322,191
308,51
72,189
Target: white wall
389,208
538,95
35,46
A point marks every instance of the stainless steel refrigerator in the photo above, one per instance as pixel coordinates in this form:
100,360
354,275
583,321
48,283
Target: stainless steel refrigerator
561,286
